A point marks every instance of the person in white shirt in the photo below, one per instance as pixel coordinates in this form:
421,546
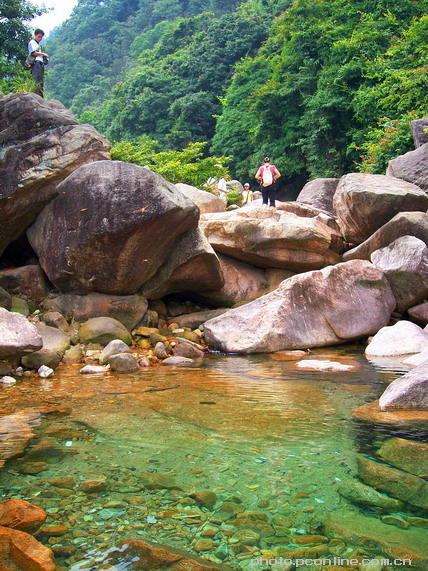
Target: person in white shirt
222,188
38,67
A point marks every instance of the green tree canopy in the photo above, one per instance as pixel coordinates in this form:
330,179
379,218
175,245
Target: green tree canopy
14,34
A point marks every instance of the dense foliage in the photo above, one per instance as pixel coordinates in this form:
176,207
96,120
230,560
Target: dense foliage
323,87
14,36
313,96
188,166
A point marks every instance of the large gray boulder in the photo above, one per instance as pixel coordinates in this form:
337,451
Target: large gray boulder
26,280
273,239
365,202
412,166
192,266
405,265
110,229
55,344
408,392
205,201
402,224
319,193
128,309
18,336
334,305
420,131
41,143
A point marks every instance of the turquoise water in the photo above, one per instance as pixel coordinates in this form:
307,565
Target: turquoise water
272,442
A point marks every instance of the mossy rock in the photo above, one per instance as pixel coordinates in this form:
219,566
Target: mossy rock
103,330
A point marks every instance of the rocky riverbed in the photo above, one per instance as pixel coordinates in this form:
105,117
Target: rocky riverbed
240,458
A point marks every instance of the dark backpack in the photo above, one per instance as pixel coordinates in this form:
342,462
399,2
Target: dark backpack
29,61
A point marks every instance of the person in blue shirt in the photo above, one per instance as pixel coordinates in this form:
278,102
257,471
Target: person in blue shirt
41,59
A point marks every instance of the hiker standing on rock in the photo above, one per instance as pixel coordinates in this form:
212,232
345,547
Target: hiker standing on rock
247,194
268,175
41,59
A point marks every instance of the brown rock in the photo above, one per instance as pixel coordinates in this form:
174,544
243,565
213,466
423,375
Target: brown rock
408,455
412,167
32,467
27,280
276,239
19,550
16,431
206,498
157,556
128,309
371,412
396,483
402,224
45,451
319,193
53,530
205,201
94,485
242,283
20,514
187,350
359,529
192,266
419,313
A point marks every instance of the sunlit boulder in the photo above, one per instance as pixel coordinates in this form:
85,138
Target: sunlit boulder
408,392
273,238
403,338
319,193
314,309
205,201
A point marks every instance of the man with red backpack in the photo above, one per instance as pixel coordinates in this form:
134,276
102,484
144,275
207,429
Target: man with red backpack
267,175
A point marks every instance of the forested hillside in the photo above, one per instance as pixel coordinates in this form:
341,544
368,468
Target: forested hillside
322,86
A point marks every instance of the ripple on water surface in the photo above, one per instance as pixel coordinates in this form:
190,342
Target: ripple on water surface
139,453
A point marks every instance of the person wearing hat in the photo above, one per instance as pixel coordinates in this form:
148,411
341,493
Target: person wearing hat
247,194
267,175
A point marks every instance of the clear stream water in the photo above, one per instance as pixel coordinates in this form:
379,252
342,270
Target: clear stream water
271,441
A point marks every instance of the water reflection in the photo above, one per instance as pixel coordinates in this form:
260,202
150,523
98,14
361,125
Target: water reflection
265,437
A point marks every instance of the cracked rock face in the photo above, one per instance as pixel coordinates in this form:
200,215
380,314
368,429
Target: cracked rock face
41,143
